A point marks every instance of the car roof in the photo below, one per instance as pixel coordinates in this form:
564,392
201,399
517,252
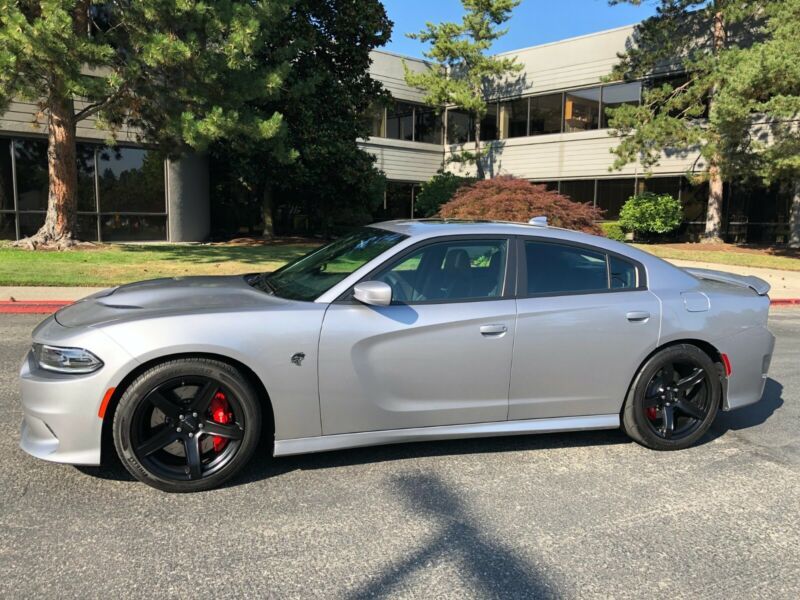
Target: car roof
424,228
420,229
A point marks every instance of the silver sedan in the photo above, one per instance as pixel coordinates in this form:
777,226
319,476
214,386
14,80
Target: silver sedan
402,331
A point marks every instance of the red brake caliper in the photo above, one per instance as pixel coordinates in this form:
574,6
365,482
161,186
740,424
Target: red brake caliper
652,414
220,413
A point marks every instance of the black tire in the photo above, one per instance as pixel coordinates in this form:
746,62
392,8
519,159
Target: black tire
187,425
673,399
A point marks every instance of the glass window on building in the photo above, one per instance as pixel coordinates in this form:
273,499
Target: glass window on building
550,186
428,125
375,120
673,82
398,201
131,228
131,180
612,194
578,190
30,157
400,121
545,116
30,223
8,226
694,199
662,185
6,176
87,200
618,95
489,123
8,220
582,110
87,228
516,118
459,127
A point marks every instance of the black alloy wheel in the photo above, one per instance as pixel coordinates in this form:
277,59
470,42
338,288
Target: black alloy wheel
187,428
677,399
674,398
187,425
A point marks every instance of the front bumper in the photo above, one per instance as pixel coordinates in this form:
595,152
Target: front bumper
60,415
60,411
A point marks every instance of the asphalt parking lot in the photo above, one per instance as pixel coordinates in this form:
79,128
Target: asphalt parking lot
567,515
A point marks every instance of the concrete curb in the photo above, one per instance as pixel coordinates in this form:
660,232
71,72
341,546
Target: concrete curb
46,307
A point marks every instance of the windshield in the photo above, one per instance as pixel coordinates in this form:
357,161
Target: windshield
317,272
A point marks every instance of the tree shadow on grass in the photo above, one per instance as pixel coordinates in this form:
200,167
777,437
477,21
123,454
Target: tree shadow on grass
202,254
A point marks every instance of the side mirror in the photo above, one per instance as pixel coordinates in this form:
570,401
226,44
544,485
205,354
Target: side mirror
375,293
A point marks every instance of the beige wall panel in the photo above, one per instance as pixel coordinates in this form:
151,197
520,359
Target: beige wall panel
404,161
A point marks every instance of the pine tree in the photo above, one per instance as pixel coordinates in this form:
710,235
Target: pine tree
182,72
760,108
461,67
694,37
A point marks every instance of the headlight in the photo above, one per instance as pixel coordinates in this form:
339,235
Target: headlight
65,360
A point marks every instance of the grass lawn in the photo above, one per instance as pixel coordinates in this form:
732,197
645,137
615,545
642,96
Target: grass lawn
728,254
106,265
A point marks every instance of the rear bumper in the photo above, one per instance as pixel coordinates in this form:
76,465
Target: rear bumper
750,353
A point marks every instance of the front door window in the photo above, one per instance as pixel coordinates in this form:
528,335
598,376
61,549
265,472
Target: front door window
451,271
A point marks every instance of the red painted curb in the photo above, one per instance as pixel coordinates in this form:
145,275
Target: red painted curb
785,302
43,307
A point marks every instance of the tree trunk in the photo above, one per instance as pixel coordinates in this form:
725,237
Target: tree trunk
478,157
59,224
267,212
794,217
713,233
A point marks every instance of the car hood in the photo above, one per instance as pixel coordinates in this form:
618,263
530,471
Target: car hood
165,296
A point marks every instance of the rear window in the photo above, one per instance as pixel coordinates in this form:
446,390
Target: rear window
563,269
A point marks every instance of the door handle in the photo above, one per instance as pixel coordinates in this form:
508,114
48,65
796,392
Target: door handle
493,330
637,316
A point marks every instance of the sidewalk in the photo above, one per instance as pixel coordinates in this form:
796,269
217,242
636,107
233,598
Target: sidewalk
19,299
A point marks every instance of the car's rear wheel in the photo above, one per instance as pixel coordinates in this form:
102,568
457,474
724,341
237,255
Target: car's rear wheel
674,398
187,425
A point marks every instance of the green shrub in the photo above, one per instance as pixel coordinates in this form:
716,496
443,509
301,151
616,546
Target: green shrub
437,191
613,231
651,213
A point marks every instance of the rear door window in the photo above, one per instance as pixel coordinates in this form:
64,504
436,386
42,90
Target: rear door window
554,268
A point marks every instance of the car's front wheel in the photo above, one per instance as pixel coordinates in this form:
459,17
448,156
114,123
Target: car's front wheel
674,398
187,425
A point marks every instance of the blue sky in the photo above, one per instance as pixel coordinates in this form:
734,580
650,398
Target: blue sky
533,22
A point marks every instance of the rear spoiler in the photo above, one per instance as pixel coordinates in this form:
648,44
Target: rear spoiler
759,286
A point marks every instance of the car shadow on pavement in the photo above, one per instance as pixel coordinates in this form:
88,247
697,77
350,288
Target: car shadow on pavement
749,416
263,466
270,467
492,569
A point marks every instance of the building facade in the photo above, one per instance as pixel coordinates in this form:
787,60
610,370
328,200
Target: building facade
548,124
126,192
